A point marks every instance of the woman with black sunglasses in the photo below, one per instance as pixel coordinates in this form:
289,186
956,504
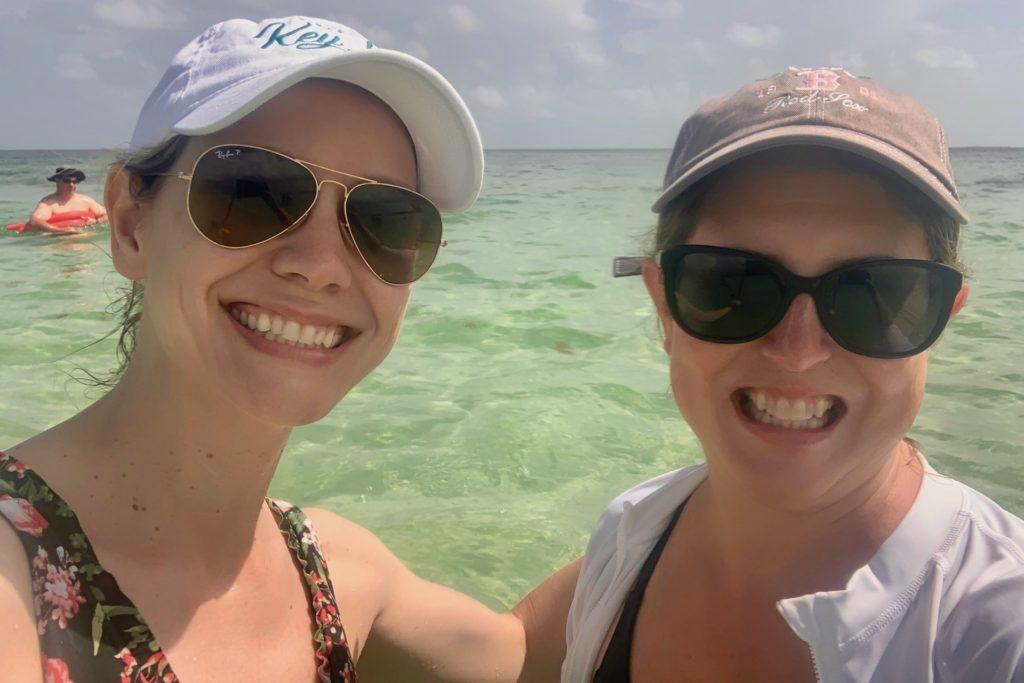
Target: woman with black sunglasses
805,259
281,193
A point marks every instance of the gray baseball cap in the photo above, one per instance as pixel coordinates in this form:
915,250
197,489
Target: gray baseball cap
824,106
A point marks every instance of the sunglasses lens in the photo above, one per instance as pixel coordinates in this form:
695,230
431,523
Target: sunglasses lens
397,231
242,196
724,297
889,310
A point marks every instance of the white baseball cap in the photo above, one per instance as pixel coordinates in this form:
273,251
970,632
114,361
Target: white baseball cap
235,66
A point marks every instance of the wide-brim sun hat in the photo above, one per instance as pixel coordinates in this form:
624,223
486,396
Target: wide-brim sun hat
62,172
235,66
825,107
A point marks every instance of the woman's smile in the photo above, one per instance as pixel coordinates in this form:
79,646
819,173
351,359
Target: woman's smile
283,328
788,416
294,336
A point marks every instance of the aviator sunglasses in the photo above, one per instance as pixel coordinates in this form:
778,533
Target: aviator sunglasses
241,195
889,308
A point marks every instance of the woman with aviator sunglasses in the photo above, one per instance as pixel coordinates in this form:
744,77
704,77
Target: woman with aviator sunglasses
805,259
281,193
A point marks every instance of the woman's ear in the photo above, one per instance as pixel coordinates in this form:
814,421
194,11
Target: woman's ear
654,280
124,212
960,300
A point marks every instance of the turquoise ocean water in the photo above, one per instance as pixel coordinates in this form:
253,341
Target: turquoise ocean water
528,386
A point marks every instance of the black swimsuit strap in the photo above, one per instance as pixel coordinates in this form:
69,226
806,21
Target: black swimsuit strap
614,666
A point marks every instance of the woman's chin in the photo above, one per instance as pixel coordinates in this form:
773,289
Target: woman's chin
284,408
291,415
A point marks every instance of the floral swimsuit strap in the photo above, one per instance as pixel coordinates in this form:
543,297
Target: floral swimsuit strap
89,631
333,657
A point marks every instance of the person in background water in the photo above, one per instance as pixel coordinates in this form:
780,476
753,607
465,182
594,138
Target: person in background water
804,261
66,208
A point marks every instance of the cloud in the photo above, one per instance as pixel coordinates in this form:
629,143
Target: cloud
13,12
76,68
542,73
573,12
376,34
416,49
489,96
907,16
748,35
927,29
945,58
640,97
636,42
589,54
851,61
536,103
137,14
654,9
463,18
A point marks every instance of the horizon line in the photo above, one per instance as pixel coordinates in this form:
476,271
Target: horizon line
486,149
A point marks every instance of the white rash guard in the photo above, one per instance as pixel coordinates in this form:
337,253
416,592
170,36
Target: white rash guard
941,600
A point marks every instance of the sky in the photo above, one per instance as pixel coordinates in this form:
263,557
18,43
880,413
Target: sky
536,73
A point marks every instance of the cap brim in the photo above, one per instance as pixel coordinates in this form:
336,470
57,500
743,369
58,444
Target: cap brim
449,153
866,146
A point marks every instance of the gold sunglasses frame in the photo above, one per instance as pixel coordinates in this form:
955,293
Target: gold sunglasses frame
309,166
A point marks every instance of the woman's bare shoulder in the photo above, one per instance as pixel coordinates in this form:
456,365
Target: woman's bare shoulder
363,571
343,540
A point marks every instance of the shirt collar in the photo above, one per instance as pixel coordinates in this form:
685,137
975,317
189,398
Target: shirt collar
878,591
648,507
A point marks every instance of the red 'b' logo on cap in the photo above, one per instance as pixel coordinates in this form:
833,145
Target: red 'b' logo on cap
819,79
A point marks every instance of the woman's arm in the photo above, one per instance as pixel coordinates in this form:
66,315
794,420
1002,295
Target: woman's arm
543,613
426,632
19,646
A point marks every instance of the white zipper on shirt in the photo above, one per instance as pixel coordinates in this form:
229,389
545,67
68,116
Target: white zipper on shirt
814,663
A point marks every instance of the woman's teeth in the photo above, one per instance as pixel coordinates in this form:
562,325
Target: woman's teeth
796,414
284,331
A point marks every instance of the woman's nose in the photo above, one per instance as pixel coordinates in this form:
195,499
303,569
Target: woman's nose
316,251
798,342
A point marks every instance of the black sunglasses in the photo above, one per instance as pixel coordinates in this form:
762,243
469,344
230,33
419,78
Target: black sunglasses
889,308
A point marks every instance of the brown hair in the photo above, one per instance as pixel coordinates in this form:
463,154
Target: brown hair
678,219
143,168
